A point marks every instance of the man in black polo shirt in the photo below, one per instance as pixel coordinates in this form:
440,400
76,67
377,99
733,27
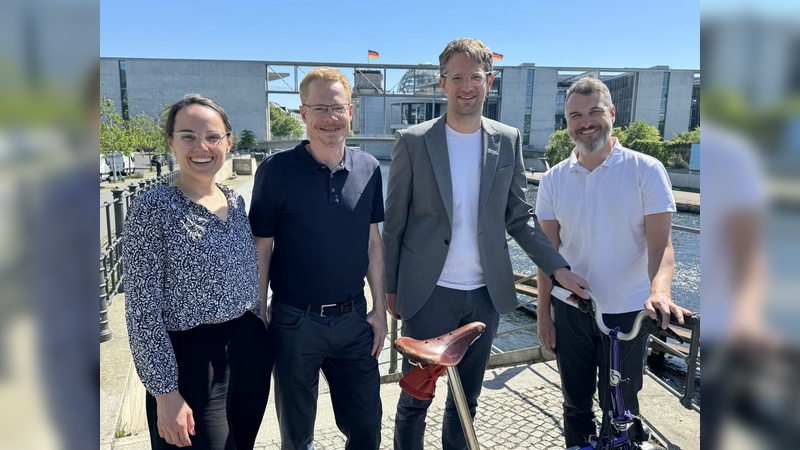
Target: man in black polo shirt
315,214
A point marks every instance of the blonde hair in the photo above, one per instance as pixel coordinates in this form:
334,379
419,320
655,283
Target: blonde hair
328,74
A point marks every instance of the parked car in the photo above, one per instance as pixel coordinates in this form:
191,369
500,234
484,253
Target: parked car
105,171
122,164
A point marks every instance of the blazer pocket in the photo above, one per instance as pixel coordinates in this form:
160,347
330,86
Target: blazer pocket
504,167
407,248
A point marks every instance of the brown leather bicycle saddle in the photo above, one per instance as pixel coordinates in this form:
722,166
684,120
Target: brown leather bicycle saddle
445,350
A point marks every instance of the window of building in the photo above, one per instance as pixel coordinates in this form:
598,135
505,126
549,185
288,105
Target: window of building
662,115
526,129
123,90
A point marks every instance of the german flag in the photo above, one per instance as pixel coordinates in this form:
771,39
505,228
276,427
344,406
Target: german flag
372,54
497,56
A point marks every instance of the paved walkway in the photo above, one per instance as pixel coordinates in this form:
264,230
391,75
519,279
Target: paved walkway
520,407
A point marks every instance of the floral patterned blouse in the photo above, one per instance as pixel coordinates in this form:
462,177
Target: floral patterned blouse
184,267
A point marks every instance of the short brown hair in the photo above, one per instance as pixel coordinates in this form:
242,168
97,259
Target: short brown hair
170,112
473,48
328,74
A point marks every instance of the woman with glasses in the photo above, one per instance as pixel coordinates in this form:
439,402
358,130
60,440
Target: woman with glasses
192,302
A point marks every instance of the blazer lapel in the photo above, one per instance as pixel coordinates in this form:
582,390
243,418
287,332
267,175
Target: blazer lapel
436,142
491,151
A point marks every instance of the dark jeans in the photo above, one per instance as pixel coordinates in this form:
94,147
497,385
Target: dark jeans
581,349
224,376
340,346
446,310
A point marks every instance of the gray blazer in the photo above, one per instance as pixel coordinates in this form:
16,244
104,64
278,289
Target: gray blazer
419,213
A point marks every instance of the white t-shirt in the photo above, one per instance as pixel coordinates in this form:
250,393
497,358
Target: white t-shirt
601,215
462,269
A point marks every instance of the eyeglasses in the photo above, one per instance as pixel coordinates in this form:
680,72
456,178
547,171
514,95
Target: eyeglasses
187,139
476,79
339,109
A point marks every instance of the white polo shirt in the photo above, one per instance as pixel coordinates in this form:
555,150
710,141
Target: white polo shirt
601,215
462,268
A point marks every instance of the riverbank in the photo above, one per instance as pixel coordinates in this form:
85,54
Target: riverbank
685,201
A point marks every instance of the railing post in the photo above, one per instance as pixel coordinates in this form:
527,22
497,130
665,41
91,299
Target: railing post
133,189
105,331
393,351
119,223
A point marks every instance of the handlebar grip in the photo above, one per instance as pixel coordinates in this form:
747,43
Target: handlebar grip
688,321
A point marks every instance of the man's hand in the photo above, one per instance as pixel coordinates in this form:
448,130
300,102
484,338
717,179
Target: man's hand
663,302
175,419
547,333
571,281
391,305
379,331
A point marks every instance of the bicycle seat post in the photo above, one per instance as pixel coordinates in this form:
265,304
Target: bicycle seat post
461,406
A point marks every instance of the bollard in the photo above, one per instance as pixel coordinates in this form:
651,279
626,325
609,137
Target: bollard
105,331
119,223
133,189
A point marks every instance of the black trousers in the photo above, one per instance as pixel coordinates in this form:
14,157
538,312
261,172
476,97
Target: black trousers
581,349
224,376
339,346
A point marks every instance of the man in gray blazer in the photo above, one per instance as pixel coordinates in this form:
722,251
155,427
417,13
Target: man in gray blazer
456,185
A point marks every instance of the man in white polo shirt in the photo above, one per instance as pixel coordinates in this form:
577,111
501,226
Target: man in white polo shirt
608,211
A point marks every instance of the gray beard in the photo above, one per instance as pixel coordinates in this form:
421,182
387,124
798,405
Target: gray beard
594,147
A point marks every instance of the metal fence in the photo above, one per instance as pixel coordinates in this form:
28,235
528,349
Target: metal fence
111,273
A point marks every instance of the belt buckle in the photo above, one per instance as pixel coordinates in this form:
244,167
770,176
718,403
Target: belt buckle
322,309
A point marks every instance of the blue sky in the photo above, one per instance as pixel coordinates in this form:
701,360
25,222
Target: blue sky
578,33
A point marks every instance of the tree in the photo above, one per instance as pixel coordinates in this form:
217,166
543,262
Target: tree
690,137
558,147
282,124
247,139
639,130
127,136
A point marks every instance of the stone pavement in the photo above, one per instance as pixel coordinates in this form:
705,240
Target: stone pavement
520,407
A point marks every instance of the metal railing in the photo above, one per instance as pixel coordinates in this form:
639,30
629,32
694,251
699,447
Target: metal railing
691,357
111,273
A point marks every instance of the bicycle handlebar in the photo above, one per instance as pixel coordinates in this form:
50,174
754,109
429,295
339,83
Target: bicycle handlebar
593,307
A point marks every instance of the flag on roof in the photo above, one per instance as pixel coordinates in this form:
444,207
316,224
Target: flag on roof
497,56
372,54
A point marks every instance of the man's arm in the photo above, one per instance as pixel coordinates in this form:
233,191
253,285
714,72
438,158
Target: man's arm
660,268
546,327
376,317
264,249
398,198
525,228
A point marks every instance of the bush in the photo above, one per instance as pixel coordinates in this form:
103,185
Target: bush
653,148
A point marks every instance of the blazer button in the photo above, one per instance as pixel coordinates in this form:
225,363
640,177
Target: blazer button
447,242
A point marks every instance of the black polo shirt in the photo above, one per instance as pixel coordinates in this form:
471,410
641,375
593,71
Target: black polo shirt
320,221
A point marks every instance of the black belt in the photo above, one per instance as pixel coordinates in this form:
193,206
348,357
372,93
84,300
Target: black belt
331,310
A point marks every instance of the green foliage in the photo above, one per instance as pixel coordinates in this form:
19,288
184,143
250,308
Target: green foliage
247,139
654,148
282,124
558,147
639,130
690,137
139,132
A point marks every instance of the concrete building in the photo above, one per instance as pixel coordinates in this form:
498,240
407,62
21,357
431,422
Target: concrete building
528,97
